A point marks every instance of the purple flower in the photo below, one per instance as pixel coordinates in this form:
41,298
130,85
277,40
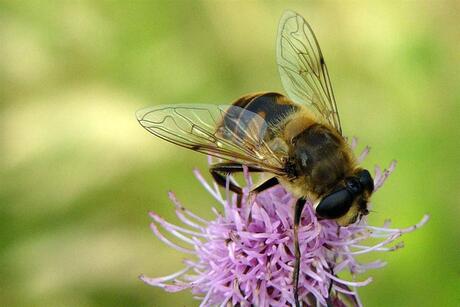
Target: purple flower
245,256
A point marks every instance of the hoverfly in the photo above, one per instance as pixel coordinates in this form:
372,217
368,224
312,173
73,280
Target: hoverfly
297,139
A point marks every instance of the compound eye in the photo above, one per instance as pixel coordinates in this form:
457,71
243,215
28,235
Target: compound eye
353,185
365,179
335,204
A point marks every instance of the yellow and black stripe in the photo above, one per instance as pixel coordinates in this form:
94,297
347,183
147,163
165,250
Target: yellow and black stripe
271,107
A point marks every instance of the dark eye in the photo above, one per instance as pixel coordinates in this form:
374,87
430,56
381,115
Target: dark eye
353,186
366,180
335,204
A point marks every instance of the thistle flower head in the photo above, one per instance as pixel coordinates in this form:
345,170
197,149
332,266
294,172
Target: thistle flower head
245,255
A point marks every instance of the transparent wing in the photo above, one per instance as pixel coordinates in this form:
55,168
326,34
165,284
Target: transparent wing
302,68
224,131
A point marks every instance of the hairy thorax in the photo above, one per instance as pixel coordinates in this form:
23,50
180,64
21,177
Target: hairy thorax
320,158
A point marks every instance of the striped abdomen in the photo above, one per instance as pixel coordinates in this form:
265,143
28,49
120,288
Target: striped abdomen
271,109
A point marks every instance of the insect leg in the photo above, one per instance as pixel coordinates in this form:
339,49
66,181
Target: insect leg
330,286
266,185
219,170
298,213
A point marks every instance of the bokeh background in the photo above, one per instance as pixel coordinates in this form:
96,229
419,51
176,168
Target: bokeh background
78,174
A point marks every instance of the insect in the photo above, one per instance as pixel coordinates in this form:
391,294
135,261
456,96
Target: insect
296,138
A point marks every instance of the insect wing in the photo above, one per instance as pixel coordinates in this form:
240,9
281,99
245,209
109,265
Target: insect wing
302,68
227,132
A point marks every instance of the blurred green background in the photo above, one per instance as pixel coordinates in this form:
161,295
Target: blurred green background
78,174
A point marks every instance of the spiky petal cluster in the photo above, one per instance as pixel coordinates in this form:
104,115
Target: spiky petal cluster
245,255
